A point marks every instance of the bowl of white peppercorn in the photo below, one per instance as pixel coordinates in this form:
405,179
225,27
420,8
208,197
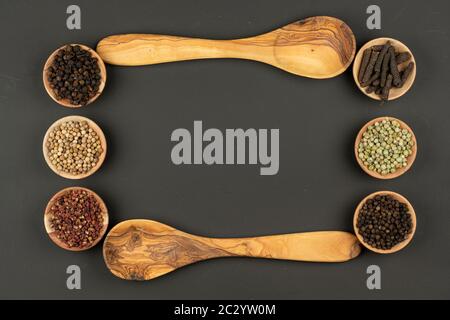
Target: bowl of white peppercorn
385,148
74,147
74,75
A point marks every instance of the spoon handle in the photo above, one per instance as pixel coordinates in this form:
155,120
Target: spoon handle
144,49
321,246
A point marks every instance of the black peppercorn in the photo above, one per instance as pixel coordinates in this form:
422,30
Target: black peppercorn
74,75
384,222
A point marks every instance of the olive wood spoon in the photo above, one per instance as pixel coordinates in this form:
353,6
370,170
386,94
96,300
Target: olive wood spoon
146,249
317,47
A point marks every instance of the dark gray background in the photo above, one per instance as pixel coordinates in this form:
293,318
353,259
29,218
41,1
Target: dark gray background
319,182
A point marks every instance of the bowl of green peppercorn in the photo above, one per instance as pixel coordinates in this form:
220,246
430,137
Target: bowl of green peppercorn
74,75
385,148
384,222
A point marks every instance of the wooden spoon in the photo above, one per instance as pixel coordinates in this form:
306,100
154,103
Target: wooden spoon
318,47
398,197
410,159
146,249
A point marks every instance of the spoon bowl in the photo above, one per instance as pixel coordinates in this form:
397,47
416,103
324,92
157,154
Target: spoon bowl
50,230
94,127
399,47
397,197
400,171
317,47
145,249
66,102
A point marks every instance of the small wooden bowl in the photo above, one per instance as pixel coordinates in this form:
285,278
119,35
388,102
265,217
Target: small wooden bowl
397,197
51,233
94,127
399,47
400,171
66,102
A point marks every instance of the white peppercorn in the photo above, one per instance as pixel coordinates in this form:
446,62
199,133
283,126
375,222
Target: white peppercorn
73,147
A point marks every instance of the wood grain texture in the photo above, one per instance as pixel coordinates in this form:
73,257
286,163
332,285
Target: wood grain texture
317,47
146,249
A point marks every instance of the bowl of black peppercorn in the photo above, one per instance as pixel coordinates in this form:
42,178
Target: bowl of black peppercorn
74,75
384,222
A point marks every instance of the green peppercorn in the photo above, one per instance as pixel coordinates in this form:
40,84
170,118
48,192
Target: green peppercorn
385,147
